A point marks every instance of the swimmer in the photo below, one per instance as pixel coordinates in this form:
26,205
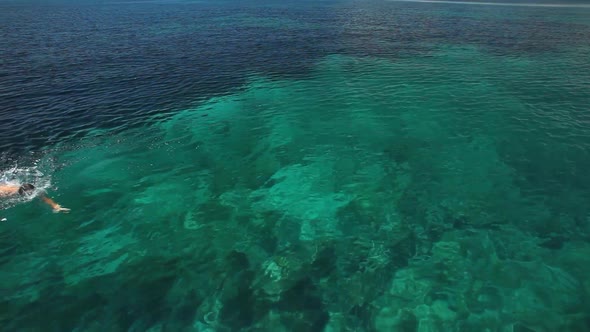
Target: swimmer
27,189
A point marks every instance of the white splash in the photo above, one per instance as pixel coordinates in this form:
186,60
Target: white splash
19,175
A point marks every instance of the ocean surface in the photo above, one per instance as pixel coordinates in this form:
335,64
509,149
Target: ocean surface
296,166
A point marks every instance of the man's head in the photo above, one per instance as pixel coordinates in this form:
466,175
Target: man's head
26,189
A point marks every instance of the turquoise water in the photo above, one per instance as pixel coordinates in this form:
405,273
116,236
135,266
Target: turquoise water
445,190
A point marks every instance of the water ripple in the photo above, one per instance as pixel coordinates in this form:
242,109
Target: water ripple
103,66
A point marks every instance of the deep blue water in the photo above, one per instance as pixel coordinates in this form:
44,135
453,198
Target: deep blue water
68,67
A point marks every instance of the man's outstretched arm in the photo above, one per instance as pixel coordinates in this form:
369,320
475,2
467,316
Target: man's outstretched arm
56,207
